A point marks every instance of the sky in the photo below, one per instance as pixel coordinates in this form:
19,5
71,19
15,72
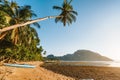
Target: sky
97,27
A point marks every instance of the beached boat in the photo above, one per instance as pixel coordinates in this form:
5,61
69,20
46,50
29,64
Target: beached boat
19,65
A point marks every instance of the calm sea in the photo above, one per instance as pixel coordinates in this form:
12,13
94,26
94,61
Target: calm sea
92,63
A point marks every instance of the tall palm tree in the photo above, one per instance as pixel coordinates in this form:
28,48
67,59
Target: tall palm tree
67,16
67,13
16,15
21,42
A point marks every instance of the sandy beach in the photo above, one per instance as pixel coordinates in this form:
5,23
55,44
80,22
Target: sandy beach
58,72
38,73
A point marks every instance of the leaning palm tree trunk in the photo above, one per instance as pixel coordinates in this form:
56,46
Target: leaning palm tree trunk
26,23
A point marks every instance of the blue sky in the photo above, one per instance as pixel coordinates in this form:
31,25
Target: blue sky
97,27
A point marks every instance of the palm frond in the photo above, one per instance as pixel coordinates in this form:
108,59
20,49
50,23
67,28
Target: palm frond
74,12
27,6
69,19
68,14
13,4
33,14
57,19
37,25
70,1
65,1
57,7
72,17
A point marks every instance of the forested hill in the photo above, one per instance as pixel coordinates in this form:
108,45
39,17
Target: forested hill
83,55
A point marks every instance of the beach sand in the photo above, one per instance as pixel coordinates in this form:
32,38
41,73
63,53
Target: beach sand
58,72
38,73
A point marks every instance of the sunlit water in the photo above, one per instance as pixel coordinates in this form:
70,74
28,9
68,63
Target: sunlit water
92,63
115,64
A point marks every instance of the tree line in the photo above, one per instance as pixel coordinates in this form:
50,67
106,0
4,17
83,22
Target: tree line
18,38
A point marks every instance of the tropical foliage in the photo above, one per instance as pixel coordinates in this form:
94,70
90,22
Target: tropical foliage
68,15
20,41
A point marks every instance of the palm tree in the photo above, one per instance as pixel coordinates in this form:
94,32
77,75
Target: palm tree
24,37
67,13
21,42
67,16
16,15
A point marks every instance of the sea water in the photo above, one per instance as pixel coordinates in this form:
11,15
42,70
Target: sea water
92,63
115,64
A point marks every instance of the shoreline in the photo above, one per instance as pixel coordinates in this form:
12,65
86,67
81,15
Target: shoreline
87,63
52,71
85,72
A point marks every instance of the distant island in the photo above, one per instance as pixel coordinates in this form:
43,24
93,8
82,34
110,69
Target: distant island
80,55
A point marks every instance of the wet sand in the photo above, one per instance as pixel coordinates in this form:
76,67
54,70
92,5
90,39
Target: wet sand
85,72
58,72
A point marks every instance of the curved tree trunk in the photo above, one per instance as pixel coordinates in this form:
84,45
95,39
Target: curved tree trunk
26,23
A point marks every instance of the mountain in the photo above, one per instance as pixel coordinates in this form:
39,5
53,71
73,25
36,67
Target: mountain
83,55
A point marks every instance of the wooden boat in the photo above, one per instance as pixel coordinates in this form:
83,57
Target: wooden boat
19,65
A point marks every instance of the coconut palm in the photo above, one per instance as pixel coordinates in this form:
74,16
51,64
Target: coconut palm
24,37
67,13
21,42
67,16
16,15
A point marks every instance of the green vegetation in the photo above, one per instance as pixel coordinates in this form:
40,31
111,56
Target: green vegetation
51,58
20,41
67,13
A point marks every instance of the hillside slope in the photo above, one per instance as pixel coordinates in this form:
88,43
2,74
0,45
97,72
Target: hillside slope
84,55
